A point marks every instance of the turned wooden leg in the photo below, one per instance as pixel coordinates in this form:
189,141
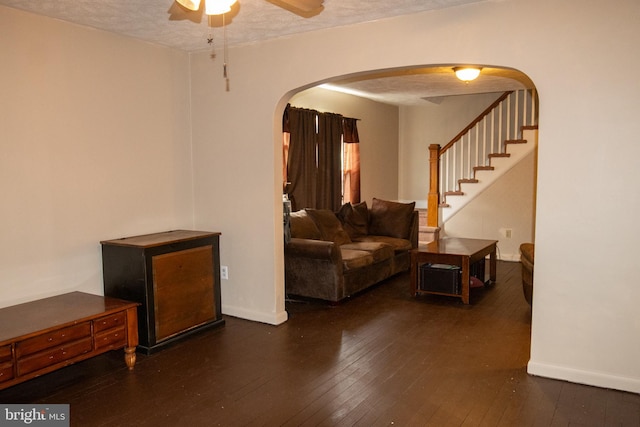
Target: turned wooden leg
130,356
465,279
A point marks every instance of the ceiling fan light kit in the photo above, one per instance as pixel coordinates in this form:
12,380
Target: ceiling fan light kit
211,7
221,7
467,74
218,7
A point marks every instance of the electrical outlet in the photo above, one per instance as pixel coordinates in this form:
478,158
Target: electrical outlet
507,233
224,272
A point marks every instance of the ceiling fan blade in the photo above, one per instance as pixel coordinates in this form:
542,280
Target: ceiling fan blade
304,5
302,8
177,12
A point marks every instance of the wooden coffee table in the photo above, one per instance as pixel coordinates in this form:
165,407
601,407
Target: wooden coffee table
453,251
44,335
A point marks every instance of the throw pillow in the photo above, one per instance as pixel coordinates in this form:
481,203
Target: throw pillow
391,218
303,227
355,219
330,228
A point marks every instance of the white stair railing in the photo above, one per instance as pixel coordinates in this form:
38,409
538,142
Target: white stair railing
486,135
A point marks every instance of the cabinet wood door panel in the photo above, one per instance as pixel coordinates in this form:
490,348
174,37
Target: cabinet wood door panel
178,308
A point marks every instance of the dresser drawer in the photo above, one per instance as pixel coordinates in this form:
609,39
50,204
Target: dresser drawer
5,353
52,339
111,321
54,355
6,371
113,338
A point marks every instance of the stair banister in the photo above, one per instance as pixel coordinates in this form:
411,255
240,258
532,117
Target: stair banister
477,120
435,153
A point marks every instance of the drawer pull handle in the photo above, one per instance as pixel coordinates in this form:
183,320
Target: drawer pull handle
50,357
50,339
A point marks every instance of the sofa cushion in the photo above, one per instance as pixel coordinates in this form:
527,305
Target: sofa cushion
303,227
391,219
352,258
378,250
330,228
398,245
355,219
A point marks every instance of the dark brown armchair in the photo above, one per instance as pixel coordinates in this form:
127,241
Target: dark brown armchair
527,258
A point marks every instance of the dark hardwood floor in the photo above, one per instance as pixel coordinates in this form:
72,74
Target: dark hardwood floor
381,358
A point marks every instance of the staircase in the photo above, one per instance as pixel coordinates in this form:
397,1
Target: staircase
484,176
481,153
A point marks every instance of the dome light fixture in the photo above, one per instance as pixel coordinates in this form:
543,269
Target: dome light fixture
466,74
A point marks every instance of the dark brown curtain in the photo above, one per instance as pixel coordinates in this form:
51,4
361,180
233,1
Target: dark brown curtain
351,156
329,182
301,158
312,158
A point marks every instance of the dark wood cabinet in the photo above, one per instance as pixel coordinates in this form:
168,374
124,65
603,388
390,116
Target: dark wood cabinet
48,334
174,275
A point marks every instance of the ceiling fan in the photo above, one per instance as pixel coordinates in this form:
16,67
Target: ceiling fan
304,8
219,7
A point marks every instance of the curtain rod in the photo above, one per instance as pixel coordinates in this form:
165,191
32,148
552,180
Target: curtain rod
326,112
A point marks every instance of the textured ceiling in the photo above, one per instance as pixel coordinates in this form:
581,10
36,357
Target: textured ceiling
419,86
166,23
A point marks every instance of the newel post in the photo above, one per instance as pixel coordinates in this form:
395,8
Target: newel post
434,175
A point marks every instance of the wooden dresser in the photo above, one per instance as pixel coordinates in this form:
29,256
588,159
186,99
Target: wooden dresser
174,275
44,335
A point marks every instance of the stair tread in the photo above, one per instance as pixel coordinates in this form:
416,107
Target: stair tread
468,181
483,168
453,193
515,141
499,155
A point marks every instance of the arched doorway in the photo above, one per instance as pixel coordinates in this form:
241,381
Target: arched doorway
403,111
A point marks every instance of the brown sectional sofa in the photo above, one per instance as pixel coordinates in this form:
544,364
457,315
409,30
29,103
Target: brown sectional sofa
332,256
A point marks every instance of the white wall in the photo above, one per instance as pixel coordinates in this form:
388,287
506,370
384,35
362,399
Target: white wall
94,145
378,131
585,320
432,124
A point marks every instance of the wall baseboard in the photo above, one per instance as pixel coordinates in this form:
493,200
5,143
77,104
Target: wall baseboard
509,257
597,379
255,316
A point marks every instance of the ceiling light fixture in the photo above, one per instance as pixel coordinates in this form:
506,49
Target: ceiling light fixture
211,7
466,74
